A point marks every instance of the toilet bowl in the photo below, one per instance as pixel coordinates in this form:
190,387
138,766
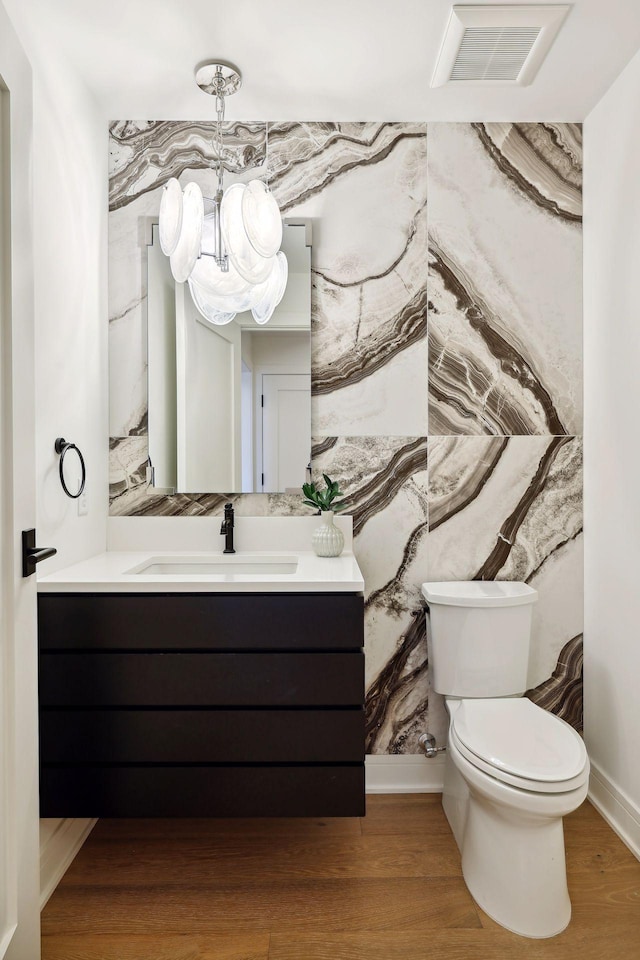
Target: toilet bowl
513,770
505,806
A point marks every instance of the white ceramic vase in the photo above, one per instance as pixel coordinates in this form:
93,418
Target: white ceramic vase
327,539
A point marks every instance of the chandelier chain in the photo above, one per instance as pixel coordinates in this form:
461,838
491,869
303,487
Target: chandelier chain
266,155
219,253
220,117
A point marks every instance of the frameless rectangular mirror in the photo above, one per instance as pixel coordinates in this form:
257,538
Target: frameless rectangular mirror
230,406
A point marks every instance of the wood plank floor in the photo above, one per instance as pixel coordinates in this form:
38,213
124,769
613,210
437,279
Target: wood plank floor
387,887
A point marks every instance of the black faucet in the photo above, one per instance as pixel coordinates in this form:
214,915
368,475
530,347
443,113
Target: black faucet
227,528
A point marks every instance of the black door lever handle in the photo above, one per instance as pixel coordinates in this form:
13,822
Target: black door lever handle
31,555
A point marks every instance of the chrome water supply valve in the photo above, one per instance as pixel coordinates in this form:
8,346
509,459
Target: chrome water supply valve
428,743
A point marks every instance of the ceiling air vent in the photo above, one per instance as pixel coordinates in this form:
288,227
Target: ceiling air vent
497,44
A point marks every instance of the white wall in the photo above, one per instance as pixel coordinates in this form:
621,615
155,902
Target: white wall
612,451
271,349
69,223
70,186
19,929
161,332
70,211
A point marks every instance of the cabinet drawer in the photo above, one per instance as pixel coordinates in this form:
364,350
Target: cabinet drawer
201,679
321,791
200,621
201,736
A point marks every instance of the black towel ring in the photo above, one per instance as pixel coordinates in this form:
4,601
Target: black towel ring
62,447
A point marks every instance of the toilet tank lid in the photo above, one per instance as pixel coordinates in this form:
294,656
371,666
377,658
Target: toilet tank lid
479,593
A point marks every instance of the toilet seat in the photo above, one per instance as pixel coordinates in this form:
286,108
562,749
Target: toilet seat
520,744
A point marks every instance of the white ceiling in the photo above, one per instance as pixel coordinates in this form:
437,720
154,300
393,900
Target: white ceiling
314,59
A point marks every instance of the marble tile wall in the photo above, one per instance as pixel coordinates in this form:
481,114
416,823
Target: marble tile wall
446,367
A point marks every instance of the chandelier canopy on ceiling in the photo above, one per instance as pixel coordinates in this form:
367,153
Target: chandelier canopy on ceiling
227,248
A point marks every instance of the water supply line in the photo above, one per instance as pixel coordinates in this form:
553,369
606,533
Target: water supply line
428,743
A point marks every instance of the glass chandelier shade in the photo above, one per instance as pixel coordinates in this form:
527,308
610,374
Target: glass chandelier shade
206,305
226,247
170,216
248,262
267,296
261,219
262,298
187,249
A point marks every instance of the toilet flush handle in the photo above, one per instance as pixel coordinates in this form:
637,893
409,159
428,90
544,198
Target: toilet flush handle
428,743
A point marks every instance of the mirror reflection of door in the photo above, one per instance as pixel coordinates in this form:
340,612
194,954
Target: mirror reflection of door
286,413
208,400
207,432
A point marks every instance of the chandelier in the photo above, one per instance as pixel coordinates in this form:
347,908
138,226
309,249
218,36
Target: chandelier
227,248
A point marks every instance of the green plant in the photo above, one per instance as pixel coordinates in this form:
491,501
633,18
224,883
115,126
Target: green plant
323,499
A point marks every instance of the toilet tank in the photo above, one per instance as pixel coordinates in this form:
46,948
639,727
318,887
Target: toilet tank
478,635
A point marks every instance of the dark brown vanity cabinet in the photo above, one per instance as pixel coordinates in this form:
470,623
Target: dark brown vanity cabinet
204,705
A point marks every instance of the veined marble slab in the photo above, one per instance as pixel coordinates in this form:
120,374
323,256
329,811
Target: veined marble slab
511,509
142,157
385,483
496,256
505,254
364,186
561,693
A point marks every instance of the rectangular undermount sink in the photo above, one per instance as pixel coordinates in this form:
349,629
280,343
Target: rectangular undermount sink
216,564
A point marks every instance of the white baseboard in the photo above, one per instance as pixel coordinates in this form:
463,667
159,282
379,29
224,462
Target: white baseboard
404,774
59,844
622,815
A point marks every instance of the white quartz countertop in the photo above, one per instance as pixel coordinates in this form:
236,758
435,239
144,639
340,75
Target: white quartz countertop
112,573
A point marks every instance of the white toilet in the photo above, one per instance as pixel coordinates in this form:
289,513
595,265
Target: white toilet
513,770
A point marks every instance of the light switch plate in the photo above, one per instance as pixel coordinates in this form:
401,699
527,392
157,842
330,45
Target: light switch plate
83,504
